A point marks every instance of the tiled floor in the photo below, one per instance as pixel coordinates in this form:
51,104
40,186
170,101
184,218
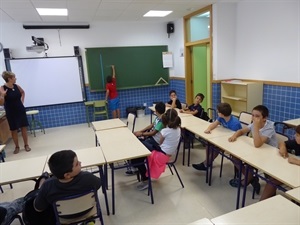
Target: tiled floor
172,203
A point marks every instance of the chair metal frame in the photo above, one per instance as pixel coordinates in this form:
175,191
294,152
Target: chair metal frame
79,208
17,217
171,163
99,105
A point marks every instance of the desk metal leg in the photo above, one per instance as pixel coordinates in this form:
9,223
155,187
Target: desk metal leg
113,187
245,184
239,185
104,183
149,182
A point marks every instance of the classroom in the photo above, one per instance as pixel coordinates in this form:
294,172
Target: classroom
253,41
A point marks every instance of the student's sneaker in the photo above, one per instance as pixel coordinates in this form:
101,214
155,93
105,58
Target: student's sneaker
142,185
200,166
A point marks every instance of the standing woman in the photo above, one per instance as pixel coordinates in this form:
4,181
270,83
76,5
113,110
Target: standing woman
12,97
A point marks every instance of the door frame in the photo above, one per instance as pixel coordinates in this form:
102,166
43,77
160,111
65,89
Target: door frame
189,90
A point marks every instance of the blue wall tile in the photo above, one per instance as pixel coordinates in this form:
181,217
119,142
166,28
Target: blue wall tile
283,102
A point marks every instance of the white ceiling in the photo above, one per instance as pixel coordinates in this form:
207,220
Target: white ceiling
86,11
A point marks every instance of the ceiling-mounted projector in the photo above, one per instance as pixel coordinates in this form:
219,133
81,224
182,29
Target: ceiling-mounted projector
35,48
39,45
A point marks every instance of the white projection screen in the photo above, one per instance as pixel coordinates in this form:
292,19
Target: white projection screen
49,81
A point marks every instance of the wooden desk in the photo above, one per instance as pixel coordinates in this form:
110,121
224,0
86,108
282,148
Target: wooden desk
276,210
88,157
121,144
22,170
87,105
293,122
200,126
187,121
294,194
265,158
181,115
108,124
203,221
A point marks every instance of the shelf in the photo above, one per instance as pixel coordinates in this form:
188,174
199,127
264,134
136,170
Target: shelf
235,98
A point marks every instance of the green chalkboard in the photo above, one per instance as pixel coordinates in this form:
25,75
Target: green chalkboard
140,66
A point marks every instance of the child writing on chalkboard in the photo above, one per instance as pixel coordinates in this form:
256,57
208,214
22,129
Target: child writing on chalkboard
111,92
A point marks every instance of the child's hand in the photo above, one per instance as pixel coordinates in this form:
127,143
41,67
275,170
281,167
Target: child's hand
181,110
207,131
2,92
232,138
293,160
138,133
283,153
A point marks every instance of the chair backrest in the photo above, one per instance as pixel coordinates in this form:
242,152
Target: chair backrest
280,127
281,137
99,104
100,108
174,158
131,121
245,118
77,208
212,113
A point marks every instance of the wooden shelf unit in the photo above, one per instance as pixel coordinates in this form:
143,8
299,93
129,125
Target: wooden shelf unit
242,96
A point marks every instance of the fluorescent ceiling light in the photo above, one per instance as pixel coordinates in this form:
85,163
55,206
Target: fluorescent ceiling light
52,12
155,13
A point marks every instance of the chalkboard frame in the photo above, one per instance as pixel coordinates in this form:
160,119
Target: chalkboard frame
136,66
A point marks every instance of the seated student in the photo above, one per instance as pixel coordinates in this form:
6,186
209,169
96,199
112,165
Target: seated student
226,120
195,109
284,148
149,136
68,179
262,131
174,101
169,140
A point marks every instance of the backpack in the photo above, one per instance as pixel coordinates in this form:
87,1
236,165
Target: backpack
204,116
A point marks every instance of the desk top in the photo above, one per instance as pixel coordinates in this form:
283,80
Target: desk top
120,144
203,221
152,108
108,124
193,121
199,129
88,157
293,122
276,210
22,170
267,159
294,194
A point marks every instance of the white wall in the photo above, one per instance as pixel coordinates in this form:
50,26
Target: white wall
106,34
258,40
176,46
224,38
